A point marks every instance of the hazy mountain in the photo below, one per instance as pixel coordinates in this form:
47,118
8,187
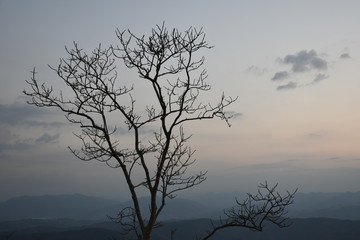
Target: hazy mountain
43,225
45,218
175,209
309,229
83,207
302,200
333,205
219,200
347,212
344,205
52,206
341,205
326,200
77,234
301,229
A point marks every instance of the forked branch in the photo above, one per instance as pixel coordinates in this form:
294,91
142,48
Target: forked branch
268,205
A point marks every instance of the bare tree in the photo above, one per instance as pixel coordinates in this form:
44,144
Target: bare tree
167,61
268,205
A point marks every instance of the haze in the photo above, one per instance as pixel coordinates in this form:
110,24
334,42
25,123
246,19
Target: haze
293,64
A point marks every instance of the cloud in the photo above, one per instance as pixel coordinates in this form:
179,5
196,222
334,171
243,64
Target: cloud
280,76
14,114
46,138
256,70
345,56
5,134
233,114
13,142
18,123
22,114
313,135
289,85
270,167
319,77
18,146
305,61
301,64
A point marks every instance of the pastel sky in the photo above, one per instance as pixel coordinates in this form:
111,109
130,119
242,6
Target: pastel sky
294,66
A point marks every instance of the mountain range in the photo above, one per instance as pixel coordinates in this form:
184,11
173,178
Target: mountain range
343,205
76,216
79,206
61,229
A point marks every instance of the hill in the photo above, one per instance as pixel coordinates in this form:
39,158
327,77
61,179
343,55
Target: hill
309,229
78,206
75,206
342,205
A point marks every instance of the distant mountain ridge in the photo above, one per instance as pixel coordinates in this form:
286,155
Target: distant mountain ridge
301,229
341,205
326,200
77,206
52,206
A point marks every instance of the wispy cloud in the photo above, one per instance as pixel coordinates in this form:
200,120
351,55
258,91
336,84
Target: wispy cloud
256,70
22,114
233,114
18,145
345,56
313,135
19,127
319,77
289,85
280,76
46,138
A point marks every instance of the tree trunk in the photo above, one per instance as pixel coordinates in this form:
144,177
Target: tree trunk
146,236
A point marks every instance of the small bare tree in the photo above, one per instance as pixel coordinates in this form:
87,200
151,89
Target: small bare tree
268,205
167,62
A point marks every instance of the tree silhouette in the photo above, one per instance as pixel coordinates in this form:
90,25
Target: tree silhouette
104,107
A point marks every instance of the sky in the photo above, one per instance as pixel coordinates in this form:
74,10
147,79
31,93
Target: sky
294,66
